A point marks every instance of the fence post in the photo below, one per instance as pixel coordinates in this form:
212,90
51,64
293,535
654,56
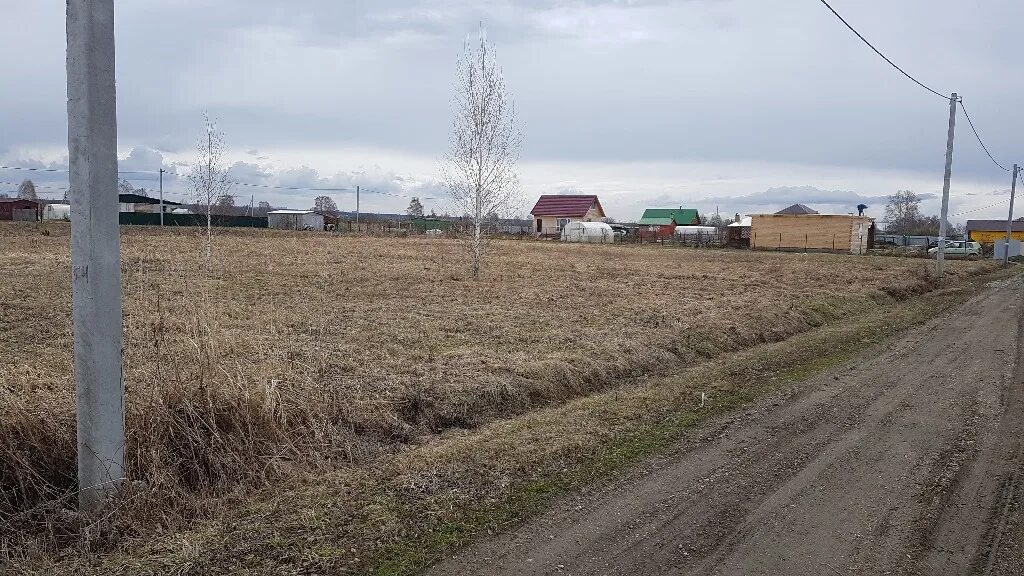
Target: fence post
833,242
805,243
780,241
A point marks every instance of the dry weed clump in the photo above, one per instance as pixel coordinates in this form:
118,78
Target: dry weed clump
299,351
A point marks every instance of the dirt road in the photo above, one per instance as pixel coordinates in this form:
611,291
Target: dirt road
908,461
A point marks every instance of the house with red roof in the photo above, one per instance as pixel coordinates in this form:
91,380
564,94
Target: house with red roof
553,211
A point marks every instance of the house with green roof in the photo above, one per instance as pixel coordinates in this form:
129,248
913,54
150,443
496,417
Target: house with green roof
663,221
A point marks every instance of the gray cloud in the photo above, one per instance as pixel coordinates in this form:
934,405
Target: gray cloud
142,158
786,195
825,201
249,172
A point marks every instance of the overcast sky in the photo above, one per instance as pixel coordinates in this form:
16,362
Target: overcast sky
747,105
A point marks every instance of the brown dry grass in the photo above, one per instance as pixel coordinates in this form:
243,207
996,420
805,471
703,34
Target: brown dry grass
299,352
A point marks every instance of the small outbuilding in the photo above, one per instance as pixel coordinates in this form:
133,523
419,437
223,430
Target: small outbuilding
588,232
552,212
19,209
990,231
695,230
800,228
57,212
662,222
739,232
144,204
295,220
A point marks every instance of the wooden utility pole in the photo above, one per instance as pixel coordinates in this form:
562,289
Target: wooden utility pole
357,208
95,249
941,253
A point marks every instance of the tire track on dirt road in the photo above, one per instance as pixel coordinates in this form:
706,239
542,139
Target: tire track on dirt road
904,462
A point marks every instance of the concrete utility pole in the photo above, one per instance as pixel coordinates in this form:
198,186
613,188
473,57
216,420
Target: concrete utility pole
95,250
941,253
161,196
1009,219
357,208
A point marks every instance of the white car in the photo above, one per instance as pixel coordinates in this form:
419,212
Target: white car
959,249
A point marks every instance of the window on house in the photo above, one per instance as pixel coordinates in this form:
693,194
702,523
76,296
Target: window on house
561,223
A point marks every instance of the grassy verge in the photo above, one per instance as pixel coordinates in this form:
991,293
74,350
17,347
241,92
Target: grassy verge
411,508
774,367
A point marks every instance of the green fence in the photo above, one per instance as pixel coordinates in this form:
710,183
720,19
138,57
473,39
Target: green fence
421,225
149,219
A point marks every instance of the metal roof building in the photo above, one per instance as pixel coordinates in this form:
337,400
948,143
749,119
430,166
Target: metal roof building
988,231
295,220
670,217
19,209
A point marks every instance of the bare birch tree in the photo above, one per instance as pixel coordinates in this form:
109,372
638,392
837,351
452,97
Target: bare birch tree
480,166
209,175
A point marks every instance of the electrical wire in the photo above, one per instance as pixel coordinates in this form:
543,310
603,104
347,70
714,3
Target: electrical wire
299,188
233,183
978,136
33,169
248,185
877,51
397,195
918,82
58,189
1004,201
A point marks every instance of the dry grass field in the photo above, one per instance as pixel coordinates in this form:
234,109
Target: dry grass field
295,352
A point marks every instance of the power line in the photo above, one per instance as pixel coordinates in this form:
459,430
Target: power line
65,170
1004,201
33,169
884,57
398,195
919,83
976,135
37,186
299,188
266,186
